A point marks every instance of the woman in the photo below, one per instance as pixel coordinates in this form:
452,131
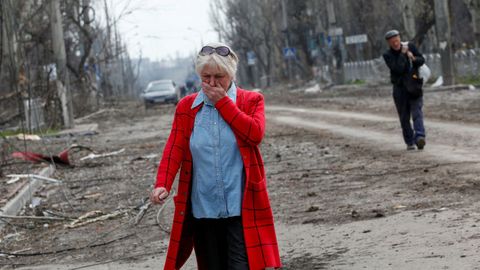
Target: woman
222,208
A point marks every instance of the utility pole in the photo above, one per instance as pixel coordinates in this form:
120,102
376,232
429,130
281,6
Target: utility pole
119,61
443,29
287,43
91,61
10,59
61,61
336,47
107,92
474,6
409,18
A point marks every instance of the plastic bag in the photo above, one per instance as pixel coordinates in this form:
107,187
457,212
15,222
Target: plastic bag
425,73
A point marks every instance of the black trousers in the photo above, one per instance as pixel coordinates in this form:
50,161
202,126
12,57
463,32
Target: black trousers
409,108
220,244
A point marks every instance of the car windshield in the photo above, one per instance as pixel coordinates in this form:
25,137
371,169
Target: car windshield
160,87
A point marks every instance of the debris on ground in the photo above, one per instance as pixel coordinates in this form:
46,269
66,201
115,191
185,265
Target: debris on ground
35,176
92,195
42,218
143,210
146,157
13,180
314,89
25,137
94,156
345,177
59,159
80,130
94,216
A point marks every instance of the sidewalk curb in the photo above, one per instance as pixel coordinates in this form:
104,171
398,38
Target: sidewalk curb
24,195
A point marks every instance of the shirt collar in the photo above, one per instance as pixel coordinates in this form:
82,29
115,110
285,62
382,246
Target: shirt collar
202,98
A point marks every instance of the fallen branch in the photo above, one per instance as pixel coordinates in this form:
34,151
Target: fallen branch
35,176
13,180
31,217
93,156
52,213
83,220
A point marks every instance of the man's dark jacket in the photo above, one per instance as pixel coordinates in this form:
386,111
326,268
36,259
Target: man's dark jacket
400,65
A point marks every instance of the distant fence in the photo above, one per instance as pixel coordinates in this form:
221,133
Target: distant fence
467,63
371,70
34,114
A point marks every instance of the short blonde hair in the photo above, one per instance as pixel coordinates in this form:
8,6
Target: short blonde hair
227,63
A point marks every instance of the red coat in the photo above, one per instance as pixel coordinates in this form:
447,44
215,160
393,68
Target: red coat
247,120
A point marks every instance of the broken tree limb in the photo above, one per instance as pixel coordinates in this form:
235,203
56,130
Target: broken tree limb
13,180
97,216
36,176
93,156
31,217
56,214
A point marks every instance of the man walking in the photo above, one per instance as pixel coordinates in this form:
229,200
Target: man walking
401,59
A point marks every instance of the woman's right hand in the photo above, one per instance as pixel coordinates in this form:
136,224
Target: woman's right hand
159,195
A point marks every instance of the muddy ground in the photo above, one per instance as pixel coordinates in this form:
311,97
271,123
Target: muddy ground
345,193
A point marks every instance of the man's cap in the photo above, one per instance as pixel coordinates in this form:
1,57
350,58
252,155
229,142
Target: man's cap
391,33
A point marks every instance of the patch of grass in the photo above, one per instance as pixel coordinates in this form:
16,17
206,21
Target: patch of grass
475,80
356,82
6,133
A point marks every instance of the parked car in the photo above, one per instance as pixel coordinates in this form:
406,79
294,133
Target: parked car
160,92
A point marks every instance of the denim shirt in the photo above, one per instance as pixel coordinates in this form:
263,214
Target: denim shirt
218,174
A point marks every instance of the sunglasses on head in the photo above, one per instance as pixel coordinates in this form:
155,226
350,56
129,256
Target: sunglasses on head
222,50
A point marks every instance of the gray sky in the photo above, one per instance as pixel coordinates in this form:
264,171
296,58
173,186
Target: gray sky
162,28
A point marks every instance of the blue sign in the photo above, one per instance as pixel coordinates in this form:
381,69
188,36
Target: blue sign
329,41
251,58
289,53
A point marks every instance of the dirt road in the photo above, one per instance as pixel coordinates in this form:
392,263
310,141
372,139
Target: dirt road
438,238
449,142
345,193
